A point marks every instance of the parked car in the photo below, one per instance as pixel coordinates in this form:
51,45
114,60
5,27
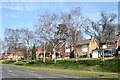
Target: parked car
108,55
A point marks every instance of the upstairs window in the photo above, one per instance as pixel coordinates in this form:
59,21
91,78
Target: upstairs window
67,46
111,43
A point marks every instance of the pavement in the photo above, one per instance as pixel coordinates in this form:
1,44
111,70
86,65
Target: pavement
11,73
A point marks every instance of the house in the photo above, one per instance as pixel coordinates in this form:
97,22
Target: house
111,46
5,55
40,53
15,55
83,48
12,55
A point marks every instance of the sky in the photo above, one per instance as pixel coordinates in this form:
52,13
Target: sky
25,14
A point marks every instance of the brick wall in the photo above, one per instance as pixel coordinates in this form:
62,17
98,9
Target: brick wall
79,50
93,45
40,51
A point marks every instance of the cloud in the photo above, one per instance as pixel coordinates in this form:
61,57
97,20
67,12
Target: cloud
18,6
13,8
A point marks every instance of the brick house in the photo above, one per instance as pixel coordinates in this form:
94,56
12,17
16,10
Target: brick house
40,53
12,55
5,55
15,55
83,48
112,45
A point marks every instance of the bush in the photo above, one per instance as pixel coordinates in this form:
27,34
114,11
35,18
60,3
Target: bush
7,61
31,62
19,63
19,59
3,61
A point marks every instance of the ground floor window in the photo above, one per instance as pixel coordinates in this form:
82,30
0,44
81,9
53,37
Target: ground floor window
84,53
67,54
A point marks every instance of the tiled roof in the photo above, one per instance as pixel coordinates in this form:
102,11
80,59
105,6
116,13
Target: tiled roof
110,38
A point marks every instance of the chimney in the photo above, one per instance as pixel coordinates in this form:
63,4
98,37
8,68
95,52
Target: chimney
91,37
118,34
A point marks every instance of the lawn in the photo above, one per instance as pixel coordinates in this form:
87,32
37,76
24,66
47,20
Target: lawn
83,65
93,59
74,59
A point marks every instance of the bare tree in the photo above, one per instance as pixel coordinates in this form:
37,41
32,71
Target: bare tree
74,22
2,46
27,39
47,31
12,39
102,29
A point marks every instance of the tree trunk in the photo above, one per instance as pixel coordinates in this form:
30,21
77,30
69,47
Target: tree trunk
44,53
103,57
44,57
55,56
100,51
75,54
75,47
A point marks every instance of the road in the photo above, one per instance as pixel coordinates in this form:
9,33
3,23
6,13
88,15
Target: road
10,73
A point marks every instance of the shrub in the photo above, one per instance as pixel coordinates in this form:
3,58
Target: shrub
19,63
31,62
8,61
46,57
19,59
3,61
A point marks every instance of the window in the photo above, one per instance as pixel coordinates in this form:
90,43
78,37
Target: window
84,53
111,43
67,45
67,53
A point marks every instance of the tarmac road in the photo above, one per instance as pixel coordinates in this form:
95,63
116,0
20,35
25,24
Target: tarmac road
10,73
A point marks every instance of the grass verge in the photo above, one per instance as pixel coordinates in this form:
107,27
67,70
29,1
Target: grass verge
100,75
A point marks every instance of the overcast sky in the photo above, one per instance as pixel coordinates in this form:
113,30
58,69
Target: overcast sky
25,14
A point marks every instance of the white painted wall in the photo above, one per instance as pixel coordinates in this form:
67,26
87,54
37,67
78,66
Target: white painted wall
104,46
53,56
95,54
84,49
41,56
67,50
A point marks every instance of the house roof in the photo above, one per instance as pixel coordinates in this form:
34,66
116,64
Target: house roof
83,42
8,53
110,38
